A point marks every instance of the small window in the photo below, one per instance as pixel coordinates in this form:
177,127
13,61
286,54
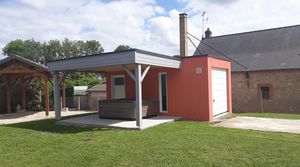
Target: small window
119,81
265,92
163,92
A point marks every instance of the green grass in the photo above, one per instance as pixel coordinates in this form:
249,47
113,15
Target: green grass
271,115
43,143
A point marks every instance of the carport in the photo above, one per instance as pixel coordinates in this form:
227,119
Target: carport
135,62
16,69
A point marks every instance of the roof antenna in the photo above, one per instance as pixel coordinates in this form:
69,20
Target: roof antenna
203,22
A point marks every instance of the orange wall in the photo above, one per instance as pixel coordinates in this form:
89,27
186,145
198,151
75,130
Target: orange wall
189,94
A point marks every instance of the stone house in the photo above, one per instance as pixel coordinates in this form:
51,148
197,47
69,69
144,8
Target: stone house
271,80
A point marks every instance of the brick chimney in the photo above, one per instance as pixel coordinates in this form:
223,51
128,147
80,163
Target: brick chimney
183,35
208,33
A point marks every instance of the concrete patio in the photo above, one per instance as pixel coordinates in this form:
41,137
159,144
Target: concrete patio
94,121
28,116
262,124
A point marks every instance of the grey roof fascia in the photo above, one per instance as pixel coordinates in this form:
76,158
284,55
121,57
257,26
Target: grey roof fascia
132,56
85,62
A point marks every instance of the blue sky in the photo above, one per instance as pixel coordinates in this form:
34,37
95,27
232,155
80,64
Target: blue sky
146,24
170,4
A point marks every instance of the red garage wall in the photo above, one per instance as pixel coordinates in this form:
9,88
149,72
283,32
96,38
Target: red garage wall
189,93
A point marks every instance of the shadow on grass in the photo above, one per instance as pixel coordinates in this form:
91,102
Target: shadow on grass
49,125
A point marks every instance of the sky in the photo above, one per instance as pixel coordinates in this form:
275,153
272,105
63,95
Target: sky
145,24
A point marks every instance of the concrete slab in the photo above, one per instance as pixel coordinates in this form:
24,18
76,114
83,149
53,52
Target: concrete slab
94,121
28,116
263,124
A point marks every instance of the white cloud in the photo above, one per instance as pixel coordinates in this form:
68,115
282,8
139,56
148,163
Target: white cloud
113,23
139,23
232,16
159,10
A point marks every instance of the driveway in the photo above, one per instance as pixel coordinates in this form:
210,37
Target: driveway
263,124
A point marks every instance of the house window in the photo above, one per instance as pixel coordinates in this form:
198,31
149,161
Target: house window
163,99
119,81
265,92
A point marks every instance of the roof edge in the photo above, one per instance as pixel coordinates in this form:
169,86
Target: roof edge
255,31
99,54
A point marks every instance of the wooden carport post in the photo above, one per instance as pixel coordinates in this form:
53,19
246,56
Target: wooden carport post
46,90
23,91
63,85
8,94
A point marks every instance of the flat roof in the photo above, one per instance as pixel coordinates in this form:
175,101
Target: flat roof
112,59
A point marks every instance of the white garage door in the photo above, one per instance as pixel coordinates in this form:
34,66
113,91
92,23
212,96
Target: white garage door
219,91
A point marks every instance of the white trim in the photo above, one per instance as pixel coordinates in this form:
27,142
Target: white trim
138,95
129,72
154,60
112,84
221,115
159,88
145,73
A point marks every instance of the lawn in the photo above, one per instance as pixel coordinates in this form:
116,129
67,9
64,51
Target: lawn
43,143
272,115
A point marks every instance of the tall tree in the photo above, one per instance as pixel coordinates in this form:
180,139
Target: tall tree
122,48
30,49
55,49
92,47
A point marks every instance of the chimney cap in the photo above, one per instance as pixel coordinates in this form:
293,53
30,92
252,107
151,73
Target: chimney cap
183,15
208,33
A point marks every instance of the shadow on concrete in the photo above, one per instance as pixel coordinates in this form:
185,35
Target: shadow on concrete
49,125
15,115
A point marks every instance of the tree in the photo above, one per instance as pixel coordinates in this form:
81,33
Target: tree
52,50
92,47
30,49
122,48
56,49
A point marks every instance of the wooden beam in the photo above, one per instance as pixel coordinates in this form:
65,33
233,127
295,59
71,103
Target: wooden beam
46,92
23,92
63,94
29,82
8,95
16,68
17,72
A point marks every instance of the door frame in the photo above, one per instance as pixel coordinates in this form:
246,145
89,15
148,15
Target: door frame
113,84
159,88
